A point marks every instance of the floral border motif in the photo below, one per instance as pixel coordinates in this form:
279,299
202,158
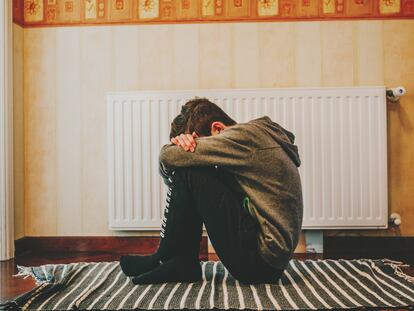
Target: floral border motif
33,13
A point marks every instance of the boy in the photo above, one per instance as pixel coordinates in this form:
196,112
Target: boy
242,182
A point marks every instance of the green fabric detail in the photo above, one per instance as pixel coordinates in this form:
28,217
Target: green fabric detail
247,207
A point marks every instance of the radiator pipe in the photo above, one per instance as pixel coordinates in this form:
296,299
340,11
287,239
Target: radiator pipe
394,94
395,219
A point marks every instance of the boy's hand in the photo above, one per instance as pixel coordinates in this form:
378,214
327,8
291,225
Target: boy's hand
185,141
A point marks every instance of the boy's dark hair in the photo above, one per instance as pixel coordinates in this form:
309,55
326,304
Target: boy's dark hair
179,124
197,115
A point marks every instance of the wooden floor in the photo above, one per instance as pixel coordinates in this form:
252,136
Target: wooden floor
13,286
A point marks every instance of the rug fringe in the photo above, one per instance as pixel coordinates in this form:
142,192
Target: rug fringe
25,272
396,266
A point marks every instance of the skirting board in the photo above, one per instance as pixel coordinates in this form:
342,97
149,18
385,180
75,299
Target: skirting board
335,247
357,247
108,244
372,247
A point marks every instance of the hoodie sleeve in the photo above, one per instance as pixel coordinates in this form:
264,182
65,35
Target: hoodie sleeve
228,149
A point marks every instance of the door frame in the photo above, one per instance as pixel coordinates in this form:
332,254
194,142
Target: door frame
6,131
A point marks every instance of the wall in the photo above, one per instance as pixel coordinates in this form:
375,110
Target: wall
68,70
18,126
98,12
399,69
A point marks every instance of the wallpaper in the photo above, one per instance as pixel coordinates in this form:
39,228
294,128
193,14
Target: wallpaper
30,13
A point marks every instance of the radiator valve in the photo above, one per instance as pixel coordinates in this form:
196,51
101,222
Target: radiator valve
395,93
395,219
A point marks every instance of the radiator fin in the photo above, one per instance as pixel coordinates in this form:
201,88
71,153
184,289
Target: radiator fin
341,134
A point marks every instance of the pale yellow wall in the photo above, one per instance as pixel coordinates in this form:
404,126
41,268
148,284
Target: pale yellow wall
18,125
68,70
399,69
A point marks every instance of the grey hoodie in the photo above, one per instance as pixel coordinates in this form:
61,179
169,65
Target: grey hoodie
263,158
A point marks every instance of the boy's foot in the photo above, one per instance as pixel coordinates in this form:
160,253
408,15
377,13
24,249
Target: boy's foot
177,269
133,265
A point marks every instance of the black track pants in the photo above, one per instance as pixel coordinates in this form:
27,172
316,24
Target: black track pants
200,195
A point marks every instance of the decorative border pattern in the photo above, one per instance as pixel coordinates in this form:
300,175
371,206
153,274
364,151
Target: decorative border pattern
31,13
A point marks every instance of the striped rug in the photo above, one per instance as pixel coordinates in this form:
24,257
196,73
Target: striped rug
309,284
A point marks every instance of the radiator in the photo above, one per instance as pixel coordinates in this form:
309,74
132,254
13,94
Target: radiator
340,132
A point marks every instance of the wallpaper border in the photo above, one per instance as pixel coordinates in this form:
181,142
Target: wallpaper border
50,13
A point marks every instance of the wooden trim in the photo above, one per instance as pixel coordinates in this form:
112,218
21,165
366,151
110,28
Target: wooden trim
93,244
335,247
357,247
6,132
347,247
52,13
20,246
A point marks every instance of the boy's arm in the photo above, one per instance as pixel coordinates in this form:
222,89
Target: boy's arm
228,149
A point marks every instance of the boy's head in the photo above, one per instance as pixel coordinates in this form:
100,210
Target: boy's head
201,116
179,124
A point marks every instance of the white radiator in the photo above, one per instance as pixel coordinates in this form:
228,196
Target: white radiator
341,134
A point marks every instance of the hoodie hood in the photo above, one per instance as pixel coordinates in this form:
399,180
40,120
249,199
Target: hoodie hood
282,136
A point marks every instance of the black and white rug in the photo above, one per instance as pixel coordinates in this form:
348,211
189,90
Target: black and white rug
309,284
